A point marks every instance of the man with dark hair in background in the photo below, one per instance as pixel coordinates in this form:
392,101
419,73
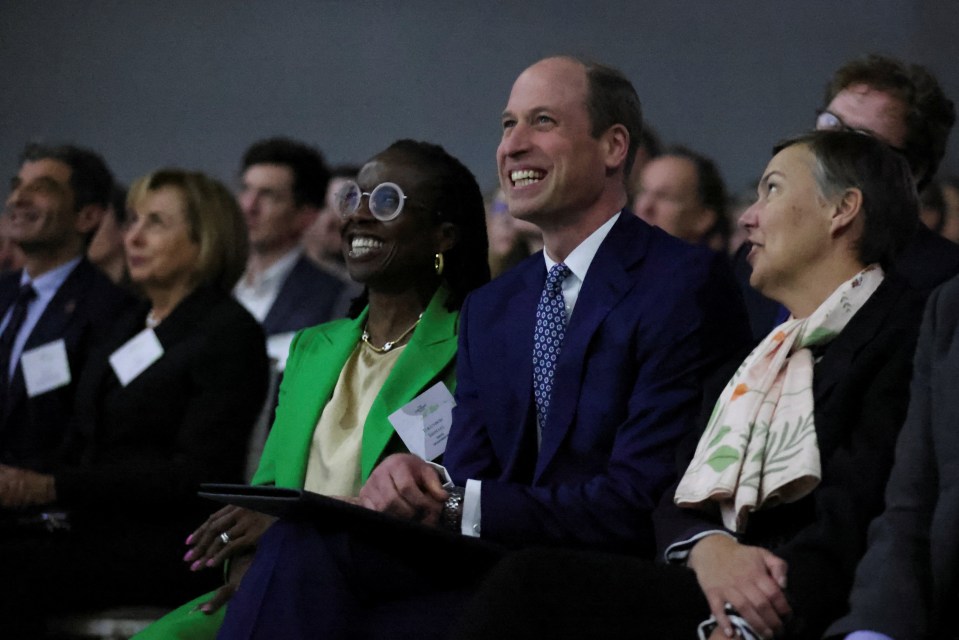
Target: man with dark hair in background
682,193
283,189
57,307
904,106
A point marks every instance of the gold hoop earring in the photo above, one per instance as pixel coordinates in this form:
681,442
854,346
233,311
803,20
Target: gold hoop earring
438,264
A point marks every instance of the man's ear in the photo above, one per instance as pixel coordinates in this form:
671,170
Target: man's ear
615,146
89,217
705,221
846,211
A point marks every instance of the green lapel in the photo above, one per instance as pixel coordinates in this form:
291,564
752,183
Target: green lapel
317,357
430,352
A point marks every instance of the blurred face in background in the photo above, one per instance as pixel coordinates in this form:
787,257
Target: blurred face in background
322,240
668,197
162,253
275,223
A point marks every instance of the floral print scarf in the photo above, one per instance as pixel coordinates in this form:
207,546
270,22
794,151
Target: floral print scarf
759,448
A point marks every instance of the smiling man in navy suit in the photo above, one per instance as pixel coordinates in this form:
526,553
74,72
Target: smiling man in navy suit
55,308
578,372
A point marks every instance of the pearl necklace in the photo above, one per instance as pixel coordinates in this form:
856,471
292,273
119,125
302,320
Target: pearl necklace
390,344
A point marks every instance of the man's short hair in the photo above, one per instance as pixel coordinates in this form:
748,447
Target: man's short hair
929,116
611,99
90,179
710,188
890,205
310,173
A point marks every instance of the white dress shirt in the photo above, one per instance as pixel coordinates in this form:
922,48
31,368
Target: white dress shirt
258,291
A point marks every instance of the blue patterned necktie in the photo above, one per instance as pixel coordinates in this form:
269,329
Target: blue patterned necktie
548,338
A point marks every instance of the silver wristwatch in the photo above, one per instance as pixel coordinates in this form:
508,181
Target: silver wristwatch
452,516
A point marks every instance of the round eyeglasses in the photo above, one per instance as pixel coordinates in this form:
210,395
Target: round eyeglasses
829,121
386,200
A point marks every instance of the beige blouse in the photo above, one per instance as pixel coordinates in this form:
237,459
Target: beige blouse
334,465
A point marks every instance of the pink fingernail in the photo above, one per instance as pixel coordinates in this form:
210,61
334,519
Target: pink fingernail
209,562
188,556
196,566
189,539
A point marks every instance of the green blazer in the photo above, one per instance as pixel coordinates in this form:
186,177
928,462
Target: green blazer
318,355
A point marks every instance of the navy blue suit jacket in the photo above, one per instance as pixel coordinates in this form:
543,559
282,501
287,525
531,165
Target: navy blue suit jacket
82,313
309,296
654,315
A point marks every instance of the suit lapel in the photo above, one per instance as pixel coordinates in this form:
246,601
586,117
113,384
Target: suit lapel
431,349
513,358
52,325
58,314
609,278
861,329
286,298
307,392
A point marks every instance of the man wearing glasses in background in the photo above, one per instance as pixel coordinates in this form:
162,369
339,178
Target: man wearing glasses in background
904,106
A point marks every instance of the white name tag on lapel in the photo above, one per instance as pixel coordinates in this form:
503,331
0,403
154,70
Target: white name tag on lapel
278,348
135,356
45,368
424,423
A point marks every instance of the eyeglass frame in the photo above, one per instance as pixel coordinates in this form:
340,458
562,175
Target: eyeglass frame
351,184
838,124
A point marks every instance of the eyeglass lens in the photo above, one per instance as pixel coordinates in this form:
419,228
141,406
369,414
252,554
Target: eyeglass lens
386,200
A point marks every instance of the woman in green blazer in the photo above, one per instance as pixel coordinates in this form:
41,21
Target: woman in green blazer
414,234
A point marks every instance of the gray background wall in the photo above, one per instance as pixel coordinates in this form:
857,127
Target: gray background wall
193,82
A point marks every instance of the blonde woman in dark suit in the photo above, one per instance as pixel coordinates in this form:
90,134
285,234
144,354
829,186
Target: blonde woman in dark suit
165,405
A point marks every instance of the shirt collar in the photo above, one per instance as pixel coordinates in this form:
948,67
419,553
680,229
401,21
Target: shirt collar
276,272
582,256
47,283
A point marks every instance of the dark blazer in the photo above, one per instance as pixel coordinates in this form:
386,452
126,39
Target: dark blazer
861,391
906,585
653,316
310,295
927,261
143,449
184,420
82,313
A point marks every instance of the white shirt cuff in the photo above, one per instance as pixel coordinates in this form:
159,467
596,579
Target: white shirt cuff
471,509
470,525
678,552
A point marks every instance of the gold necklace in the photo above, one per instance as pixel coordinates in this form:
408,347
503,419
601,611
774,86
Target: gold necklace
390,344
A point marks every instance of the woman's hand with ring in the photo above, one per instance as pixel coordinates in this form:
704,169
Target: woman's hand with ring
229,531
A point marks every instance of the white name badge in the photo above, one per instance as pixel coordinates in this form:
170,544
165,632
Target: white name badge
278,348
45,368
134,357
424,423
